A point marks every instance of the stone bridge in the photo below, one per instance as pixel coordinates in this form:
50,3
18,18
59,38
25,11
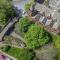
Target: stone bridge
11,23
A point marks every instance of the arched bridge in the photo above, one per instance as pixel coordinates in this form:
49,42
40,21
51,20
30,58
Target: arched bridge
11,23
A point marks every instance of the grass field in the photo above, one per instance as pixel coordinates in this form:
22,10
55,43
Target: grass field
56,40
21,53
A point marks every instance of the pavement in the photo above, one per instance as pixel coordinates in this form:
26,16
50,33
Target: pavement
15,35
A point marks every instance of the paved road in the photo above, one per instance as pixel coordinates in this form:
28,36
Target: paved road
7,27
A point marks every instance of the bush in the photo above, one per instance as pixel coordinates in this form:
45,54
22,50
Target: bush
46,2
36,36
3,17
5,48
6,11
58,57
58,54
56,40
24,24
27,6
10,12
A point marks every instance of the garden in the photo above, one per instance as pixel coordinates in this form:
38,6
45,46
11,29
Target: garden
19,53
39,42
36,37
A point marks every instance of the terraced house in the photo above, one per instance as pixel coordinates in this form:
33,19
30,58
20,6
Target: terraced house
47,14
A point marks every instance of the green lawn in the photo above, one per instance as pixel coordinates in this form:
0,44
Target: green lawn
56,40
21,53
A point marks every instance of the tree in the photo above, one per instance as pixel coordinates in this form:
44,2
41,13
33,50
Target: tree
27,6
3,2
6,11
5,48
56,40
36,36
46,2
24,24
10,12
57,56
3,18
44,37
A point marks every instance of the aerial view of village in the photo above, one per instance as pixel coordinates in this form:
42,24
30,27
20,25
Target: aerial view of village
29,29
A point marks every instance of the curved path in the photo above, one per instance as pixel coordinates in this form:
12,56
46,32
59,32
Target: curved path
7,27
15,35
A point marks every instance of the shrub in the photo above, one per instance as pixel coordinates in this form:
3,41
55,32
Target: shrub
36,36
27,6
5,48
6,11
24,24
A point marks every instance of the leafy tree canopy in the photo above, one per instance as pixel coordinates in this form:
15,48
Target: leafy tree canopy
3,17
6,11
36,36
27,6
24,24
